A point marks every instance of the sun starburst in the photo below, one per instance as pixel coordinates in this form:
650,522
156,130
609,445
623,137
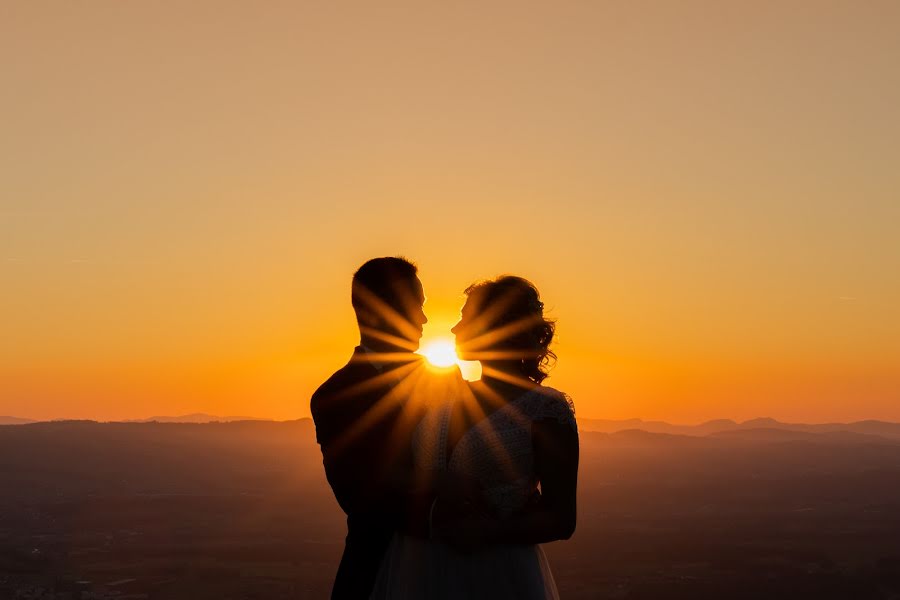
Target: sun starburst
440,353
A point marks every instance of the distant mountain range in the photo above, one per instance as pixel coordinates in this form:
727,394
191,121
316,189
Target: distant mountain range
758,429
14,421
192,418
727,426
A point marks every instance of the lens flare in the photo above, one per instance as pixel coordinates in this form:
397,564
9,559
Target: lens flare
440,353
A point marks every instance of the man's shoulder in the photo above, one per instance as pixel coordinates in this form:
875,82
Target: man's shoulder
339,382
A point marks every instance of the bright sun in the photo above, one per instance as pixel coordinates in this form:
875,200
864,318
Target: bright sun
440,353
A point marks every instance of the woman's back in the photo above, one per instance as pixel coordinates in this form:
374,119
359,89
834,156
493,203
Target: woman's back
495,449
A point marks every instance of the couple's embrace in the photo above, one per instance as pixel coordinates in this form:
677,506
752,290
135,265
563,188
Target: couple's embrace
449,486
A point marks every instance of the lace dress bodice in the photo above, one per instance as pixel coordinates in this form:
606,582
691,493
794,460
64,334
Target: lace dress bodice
497,451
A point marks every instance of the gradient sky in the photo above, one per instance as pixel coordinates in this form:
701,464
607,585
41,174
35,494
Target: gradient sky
707,195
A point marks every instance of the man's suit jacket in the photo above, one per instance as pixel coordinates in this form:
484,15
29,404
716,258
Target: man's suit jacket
364,416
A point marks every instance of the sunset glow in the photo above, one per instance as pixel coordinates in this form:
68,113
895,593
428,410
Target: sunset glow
705,196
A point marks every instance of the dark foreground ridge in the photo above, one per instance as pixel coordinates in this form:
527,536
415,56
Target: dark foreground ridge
242,510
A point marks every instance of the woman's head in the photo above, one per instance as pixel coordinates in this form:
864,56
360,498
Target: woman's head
503,321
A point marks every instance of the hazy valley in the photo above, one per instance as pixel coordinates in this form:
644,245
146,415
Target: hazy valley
242,510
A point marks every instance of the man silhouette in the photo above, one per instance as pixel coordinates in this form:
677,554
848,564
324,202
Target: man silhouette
364,416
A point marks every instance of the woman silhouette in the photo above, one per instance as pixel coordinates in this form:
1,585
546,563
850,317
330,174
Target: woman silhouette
516,442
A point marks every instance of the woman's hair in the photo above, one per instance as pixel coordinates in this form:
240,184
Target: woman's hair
514,305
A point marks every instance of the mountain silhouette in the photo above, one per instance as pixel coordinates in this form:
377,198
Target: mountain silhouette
869,427
193,418
5,420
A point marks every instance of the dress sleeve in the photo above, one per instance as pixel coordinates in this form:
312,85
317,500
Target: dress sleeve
553,405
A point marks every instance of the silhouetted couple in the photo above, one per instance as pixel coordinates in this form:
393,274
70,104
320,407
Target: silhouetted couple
448,486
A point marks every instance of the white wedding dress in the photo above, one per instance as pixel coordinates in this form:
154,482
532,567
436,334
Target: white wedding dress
498,452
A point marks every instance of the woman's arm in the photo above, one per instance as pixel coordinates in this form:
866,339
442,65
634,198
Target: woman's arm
553,517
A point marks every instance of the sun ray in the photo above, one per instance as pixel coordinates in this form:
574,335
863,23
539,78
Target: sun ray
488,315
381,379
492,337
522,382
389,401
380,308
394,340
477,415
388,358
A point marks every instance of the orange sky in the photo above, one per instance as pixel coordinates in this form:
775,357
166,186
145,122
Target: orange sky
706,195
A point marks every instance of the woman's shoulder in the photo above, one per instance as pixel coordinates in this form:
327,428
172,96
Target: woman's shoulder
547,403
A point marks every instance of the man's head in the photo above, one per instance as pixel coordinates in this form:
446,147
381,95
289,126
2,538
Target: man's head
388,297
